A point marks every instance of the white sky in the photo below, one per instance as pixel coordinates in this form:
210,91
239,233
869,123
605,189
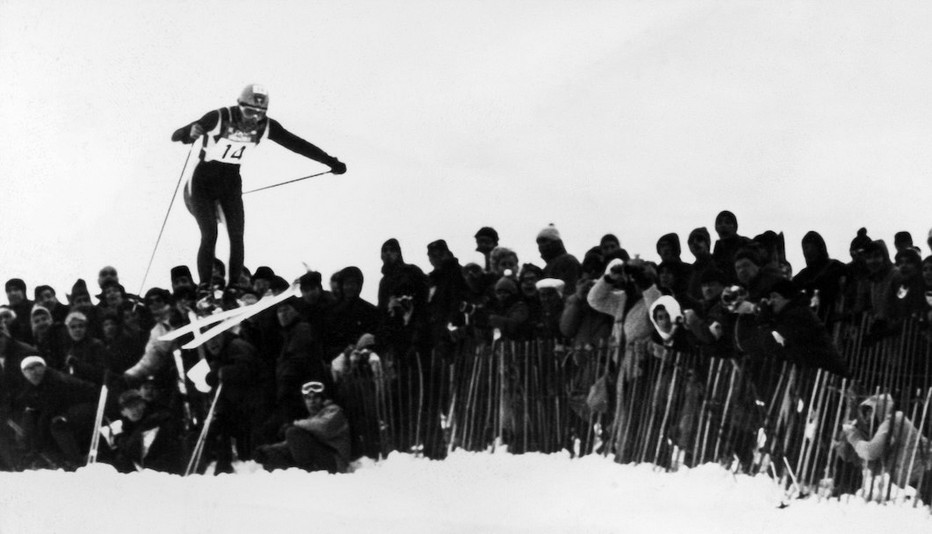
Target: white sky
637,118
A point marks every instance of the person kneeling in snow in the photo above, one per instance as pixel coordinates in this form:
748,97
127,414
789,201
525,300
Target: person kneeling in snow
320,442
149,436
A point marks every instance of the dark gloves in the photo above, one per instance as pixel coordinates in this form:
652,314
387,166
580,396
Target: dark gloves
337,166
212,378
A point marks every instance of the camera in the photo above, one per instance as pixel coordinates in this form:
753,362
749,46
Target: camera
468,308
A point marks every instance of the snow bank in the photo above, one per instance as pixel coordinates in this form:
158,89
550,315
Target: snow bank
468,492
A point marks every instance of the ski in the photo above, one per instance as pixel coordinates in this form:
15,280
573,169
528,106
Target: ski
246,313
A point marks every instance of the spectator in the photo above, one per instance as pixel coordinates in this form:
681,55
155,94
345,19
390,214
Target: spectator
395,273
700,246
728,244
352,316
12,384
319,442
609,245
668,248
560,263
910,295
157,356
315,303
51,338
300,361
262,280
508,313
527,284
59,414
181,277
579,322
821,278
86,357
856,283
45,297
883,280
446,290
22,307
751,276
486,241
358,361
551,308
902,241
121,350
711,324
504,260
150,437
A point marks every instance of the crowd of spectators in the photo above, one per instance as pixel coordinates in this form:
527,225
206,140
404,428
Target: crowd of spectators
281,371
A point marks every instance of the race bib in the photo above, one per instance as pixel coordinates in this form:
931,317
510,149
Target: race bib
228,144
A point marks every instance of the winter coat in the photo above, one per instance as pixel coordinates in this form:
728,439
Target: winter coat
632,328
892,452
724,254
682,271
804,339
300,361
583,324
349,319
821,274
561,264
90,360
446,290
407,278
12,381
54,396
154,442
330,427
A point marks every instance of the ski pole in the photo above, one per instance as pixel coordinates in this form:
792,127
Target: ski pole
165,220
286,183
199,447
98,419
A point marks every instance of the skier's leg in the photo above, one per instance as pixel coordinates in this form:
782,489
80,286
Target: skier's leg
204,209
232,205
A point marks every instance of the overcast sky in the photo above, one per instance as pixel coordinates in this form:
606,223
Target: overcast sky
637,118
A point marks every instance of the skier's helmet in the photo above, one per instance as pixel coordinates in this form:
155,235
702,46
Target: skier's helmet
255,96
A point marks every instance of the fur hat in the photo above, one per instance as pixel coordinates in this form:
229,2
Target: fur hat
179,271
550,233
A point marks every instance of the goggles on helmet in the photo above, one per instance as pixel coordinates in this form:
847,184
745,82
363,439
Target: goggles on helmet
251,112
312,388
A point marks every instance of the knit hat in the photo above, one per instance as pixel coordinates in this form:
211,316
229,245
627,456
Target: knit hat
727,214
37,309
551,283
438,245
310,280
860,241
550,233
75,315
16,283
179,271
263,273
31,360
903,238
487,231
506,284
785,288
699,233
78,289
39,289
391,243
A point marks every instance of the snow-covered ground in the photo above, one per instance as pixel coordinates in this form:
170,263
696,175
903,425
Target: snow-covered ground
468,492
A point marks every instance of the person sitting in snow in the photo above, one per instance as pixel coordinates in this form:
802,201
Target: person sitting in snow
149,436
319,442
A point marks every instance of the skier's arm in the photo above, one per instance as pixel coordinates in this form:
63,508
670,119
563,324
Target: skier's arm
206,123
294,143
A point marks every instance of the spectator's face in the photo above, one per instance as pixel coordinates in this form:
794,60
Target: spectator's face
6,317
907,268
725,227
311,294
485,244
182,281
134,411
215,345
15,296
811,252
509,262
148,391
666,252
34,373
77,329
41,322
286,315
314,403
351,288
608,247
107,273
712,290
666,279
699,247
549,298
157,306
874,261
113,296
261,286
47,299
81,301
529,284
502,295
435,257
110,328
927,273
662,318
746,270
390,255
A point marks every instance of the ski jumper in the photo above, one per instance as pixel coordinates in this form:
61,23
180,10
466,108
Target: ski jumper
217,182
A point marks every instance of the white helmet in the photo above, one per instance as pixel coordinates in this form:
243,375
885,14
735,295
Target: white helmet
254,95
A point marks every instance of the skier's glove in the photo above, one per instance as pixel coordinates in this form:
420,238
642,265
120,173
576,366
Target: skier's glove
196,131
337,166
